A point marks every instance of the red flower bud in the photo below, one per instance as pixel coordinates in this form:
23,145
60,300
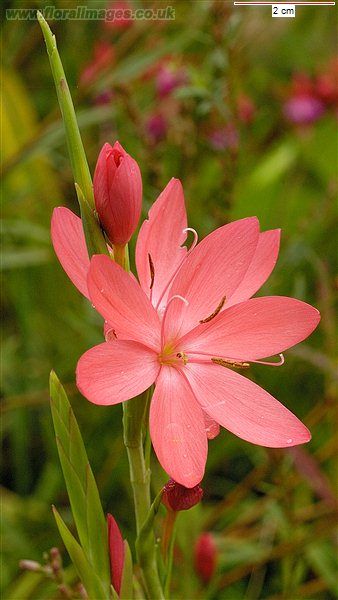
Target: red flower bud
177,497
205,556
116,553
117,193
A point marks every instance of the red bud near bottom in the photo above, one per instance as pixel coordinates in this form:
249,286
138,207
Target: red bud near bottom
205,556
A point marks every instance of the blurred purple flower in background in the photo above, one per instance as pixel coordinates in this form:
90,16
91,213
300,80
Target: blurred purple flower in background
303,110
156,127
169,78
224,138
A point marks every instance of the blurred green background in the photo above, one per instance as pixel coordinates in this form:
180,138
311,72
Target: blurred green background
234,104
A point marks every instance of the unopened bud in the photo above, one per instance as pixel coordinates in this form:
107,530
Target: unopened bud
177,497
205,556
116,553
117,193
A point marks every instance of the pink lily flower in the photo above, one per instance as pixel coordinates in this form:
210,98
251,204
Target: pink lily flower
190,351
116,553
188,320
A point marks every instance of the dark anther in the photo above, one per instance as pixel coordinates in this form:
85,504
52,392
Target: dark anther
218,309
152,271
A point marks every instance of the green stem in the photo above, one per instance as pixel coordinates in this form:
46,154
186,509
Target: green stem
170,562
133,419
83,183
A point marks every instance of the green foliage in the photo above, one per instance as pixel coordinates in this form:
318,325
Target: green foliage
82,491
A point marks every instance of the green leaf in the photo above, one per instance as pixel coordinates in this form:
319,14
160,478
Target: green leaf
76,150
95,241
82,490
126,591
89,578
324,562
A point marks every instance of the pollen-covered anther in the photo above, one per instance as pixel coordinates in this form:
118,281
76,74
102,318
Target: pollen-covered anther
183,357
216,311
227,362
152,271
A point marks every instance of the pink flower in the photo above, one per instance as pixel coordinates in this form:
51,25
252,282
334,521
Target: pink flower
117,193
185,327
104,57
116,553
205,556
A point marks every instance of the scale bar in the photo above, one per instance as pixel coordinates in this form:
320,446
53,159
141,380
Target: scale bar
281,3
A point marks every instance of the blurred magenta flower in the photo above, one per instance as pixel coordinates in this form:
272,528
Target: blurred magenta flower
326,84
104,98
169,78
205,556
303,110
104,57
185,327
302,107
176,497
224,138
119,15
156,127
117,193
246,109
116,553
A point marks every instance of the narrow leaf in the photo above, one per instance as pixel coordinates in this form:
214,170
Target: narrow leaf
82,490
76,150
84,569
126,592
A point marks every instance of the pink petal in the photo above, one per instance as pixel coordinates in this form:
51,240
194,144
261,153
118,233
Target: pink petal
116,371
120,300
211,427
210,273
177,429
116,553
162,237
70,246
244,408
260,268
254,329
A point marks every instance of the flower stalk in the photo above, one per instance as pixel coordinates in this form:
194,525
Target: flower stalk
135,412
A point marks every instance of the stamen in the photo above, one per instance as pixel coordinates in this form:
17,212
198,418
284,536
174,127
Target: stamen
195,237
176,297
227,362
216,311
152,271
269,363
168,284
183,356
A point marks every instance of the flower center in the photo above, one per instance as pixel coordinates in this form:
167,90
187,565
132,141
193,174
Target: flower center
170,356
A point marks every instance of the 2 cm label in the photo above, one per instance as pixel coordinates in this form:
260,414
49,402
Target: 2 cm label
284,10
